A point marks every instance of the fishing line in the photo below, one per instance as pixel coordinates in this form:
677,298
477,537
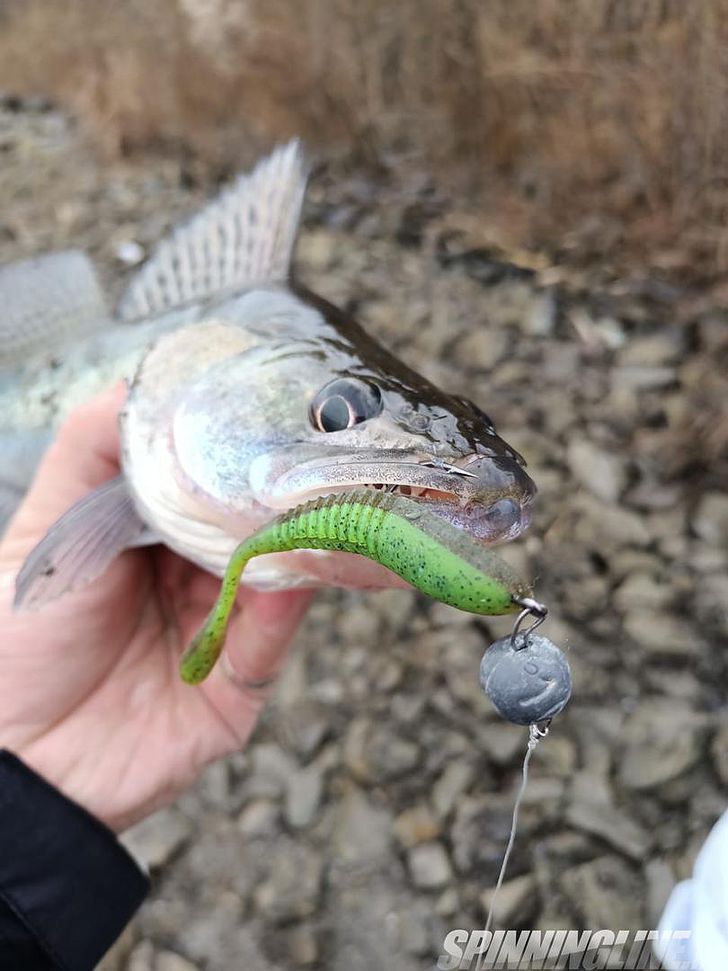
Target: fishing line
535,734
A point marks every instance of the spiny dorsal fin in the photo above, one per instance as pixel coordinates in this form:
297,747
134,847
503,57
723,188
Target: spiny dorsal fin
245,236
47,301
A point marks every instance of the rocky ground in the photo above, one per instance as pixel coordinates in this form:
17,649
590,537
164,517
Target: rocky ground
369,814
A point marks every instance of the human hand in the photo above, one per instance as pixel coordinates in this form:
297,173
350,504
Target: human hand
90,692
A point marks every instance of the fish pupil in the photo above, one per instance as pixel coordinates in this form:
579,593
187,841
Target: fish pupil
335,414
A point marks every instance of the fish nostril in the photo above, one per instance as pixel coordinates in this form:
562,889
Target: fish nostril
503,515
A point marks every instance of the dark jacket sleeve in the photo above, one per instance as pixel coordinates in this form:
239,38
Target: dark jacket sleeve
67,886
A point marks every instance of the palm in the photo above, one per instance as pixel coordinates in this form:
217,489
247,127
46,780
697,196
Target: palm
91,694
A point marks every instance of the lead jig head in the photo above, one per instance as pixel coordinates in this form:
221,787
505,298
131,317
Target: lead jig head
526,676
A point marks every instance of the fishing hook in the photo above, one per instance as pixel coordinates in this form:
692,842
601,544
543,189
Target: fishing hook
531,608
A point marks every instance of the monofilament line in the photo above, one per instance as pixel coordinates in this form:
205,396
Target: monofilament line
535,734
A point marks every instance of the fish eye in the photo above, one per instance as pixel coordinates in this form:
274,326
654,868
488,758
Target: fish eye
344,403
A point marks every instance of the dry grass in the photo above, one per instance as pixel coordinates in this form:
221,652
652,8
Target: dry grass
562,109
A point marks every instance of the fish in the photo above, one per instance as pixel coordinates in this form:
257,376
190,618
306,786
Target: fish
248,394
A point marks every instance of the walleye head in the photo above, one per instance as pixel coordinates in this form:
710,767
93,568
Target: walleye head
320,407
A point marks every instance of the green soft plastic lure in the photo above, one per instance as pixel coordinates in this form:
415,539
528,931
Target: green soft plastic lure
436,557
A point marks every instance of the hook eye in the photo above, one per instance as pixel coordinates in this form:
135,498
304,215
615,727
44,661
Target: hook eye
531,608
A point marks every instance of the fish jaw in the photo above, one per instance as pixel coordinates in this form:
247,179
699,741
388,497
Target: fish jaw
489,497
207,534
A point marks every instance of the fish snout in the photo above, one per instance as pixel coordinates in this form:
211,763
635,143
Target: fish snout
494,499
499,508
494,478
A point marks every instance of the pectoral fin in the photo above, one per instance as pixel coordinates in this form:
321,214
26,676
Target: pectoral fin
80,545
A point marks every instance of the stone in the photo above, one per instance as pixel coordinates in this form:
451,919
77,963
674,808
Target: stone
661,741
607,526
643,377
597,731
318,249
358,624
374,753
210,931
215,784
719,752
303,946
303,797
650,351
271,768
448,903
665,524
602,472
142,958
305,725
710,520
259,818
626,561
557,758
362,830
463,652
640,591
169,961
293,887
712,601
429,866
451,786
157,838
480,832
660,881
503,743
541,315
390,676
481,347
407,709
129,252
516,901
605,893
415,928
614,826
708,560
416,825
661,634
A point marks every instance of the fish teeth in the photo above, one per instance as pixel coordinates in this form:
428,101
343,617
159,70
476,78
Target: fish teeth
405,490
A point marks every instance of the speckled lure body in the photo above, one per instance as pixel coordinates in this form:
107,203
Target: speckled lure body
434,556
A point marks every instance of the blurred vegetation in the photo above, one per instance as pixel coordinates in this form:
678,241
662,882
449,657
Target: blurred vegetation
553,114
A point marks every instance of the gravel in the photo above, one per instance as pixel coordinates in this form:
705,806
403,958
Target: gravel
156,839
370,811
429,866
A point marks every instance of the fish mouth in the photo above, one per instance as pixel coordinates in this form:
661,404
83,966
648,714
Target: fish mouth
487,496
